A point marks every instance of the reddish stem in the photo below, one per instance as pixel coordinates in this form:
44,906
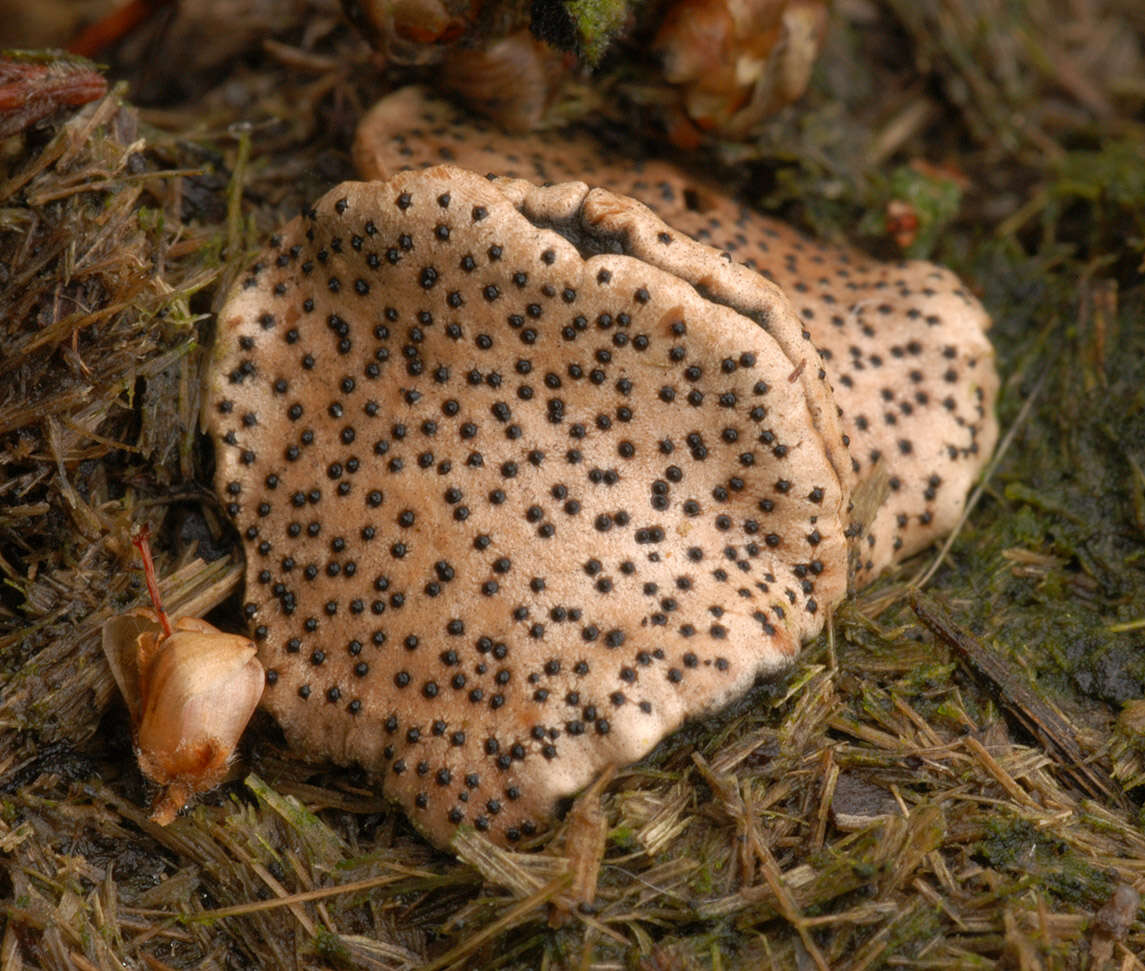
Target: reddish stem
114,27
32,90
142,542
67,87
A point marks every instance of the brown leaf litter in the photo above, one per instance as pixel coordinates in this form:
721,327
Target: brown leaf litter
872,809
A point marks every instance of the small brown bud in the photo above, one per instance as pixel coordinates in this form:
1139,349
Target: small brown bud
190,696
190,690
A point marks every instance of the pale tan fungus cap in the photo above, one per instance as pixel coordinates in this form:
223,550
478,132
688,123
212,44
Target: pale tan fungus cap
515,503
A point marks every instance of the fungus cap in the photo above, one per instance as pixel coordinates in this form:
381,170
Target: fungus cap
514,502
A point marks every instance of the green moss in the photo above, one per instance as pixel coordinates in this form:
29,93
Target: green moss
1017,846
1102,193
1009,841
925,678
149,219
933,199
597,23
1064,496
332,948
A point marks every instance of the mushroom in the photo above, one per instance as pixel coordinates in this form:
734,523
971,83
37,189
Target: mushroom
904,344
528,475
515,502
